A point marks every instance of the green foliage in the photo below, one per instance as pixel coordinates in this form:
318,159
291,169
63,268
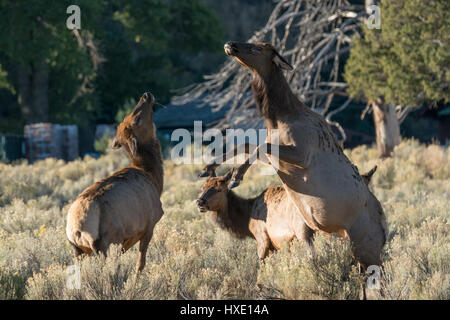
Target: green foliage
196,27
125,110
143,22
153,45
102,144
407,60
149,45
33,31
40,29
4,84
12,285
191,257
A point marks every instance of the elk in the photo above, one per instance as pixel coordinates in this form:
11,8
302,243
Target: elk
270,218
124,207
319,179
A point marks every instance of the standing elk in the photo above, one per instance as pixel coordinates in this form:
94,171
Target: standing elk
124,207
270,218
323,184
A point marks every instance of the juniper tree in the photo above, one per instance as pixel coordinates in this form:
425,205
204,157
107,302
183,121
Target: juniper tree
401,66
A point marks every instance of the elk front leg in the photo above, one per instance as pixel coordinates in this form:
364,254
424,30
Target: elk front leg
289,154
76,251
209,170
263,244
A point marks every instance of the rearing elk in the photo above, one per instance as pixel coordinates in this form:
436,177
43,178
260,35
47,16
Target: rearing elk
270,218
323,184
124,207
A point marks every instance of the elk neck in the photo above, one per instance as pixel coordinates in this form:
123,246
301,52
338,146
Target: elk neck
149,159
274,98
235,215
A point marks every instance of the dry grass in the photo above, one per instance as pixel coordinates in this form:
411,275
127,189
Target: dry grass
189,257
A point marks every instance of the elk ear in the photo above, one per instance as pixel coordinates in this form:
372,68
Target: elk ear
116,144
281,62
367,177
228,176
133,146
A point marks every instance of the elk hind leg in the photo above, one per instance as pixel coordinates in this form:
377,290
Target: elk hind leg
143,245
305,233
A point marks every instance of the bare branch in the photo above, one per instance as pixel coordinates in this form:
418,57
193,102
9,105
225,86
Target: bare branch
402,113
313,35
86,42
332,113
366,110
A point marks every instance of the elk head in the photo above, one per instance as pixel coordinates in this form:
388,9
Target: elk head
214,193
257,57
137,128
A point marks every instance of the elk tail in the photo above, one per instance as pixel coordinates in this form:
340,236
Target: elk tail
368,175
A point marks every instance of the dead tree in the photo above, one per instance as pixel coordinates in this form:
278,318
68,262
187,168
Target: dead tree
313,35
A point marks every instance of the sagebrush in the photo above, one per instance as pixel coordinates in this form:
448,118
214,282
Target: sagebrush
189,257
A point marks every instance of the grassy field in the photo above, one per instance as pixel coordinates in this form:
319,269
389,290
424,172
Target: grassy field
190,258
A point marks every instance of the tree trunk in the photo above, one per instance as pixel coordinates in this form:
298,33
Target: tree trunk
39,93
33,92
387,128
24,92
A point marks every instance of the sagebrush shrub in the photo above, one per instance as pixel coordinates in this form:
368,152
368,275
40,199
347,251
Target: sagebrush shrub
190,257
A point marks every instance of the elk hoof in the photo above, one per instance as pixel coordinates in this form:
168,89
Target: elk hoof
233,184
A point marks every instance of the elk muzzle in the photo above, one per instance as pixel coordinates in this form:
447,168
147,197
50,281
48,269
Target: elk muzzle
201,204
230,48
147,96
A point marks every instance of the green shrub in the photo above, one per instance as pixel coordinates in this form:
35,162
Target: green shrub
102,144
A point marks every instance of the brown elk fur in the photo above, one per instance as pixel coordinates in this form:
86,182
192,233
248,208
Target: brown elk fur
269,218
124,207
325,187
